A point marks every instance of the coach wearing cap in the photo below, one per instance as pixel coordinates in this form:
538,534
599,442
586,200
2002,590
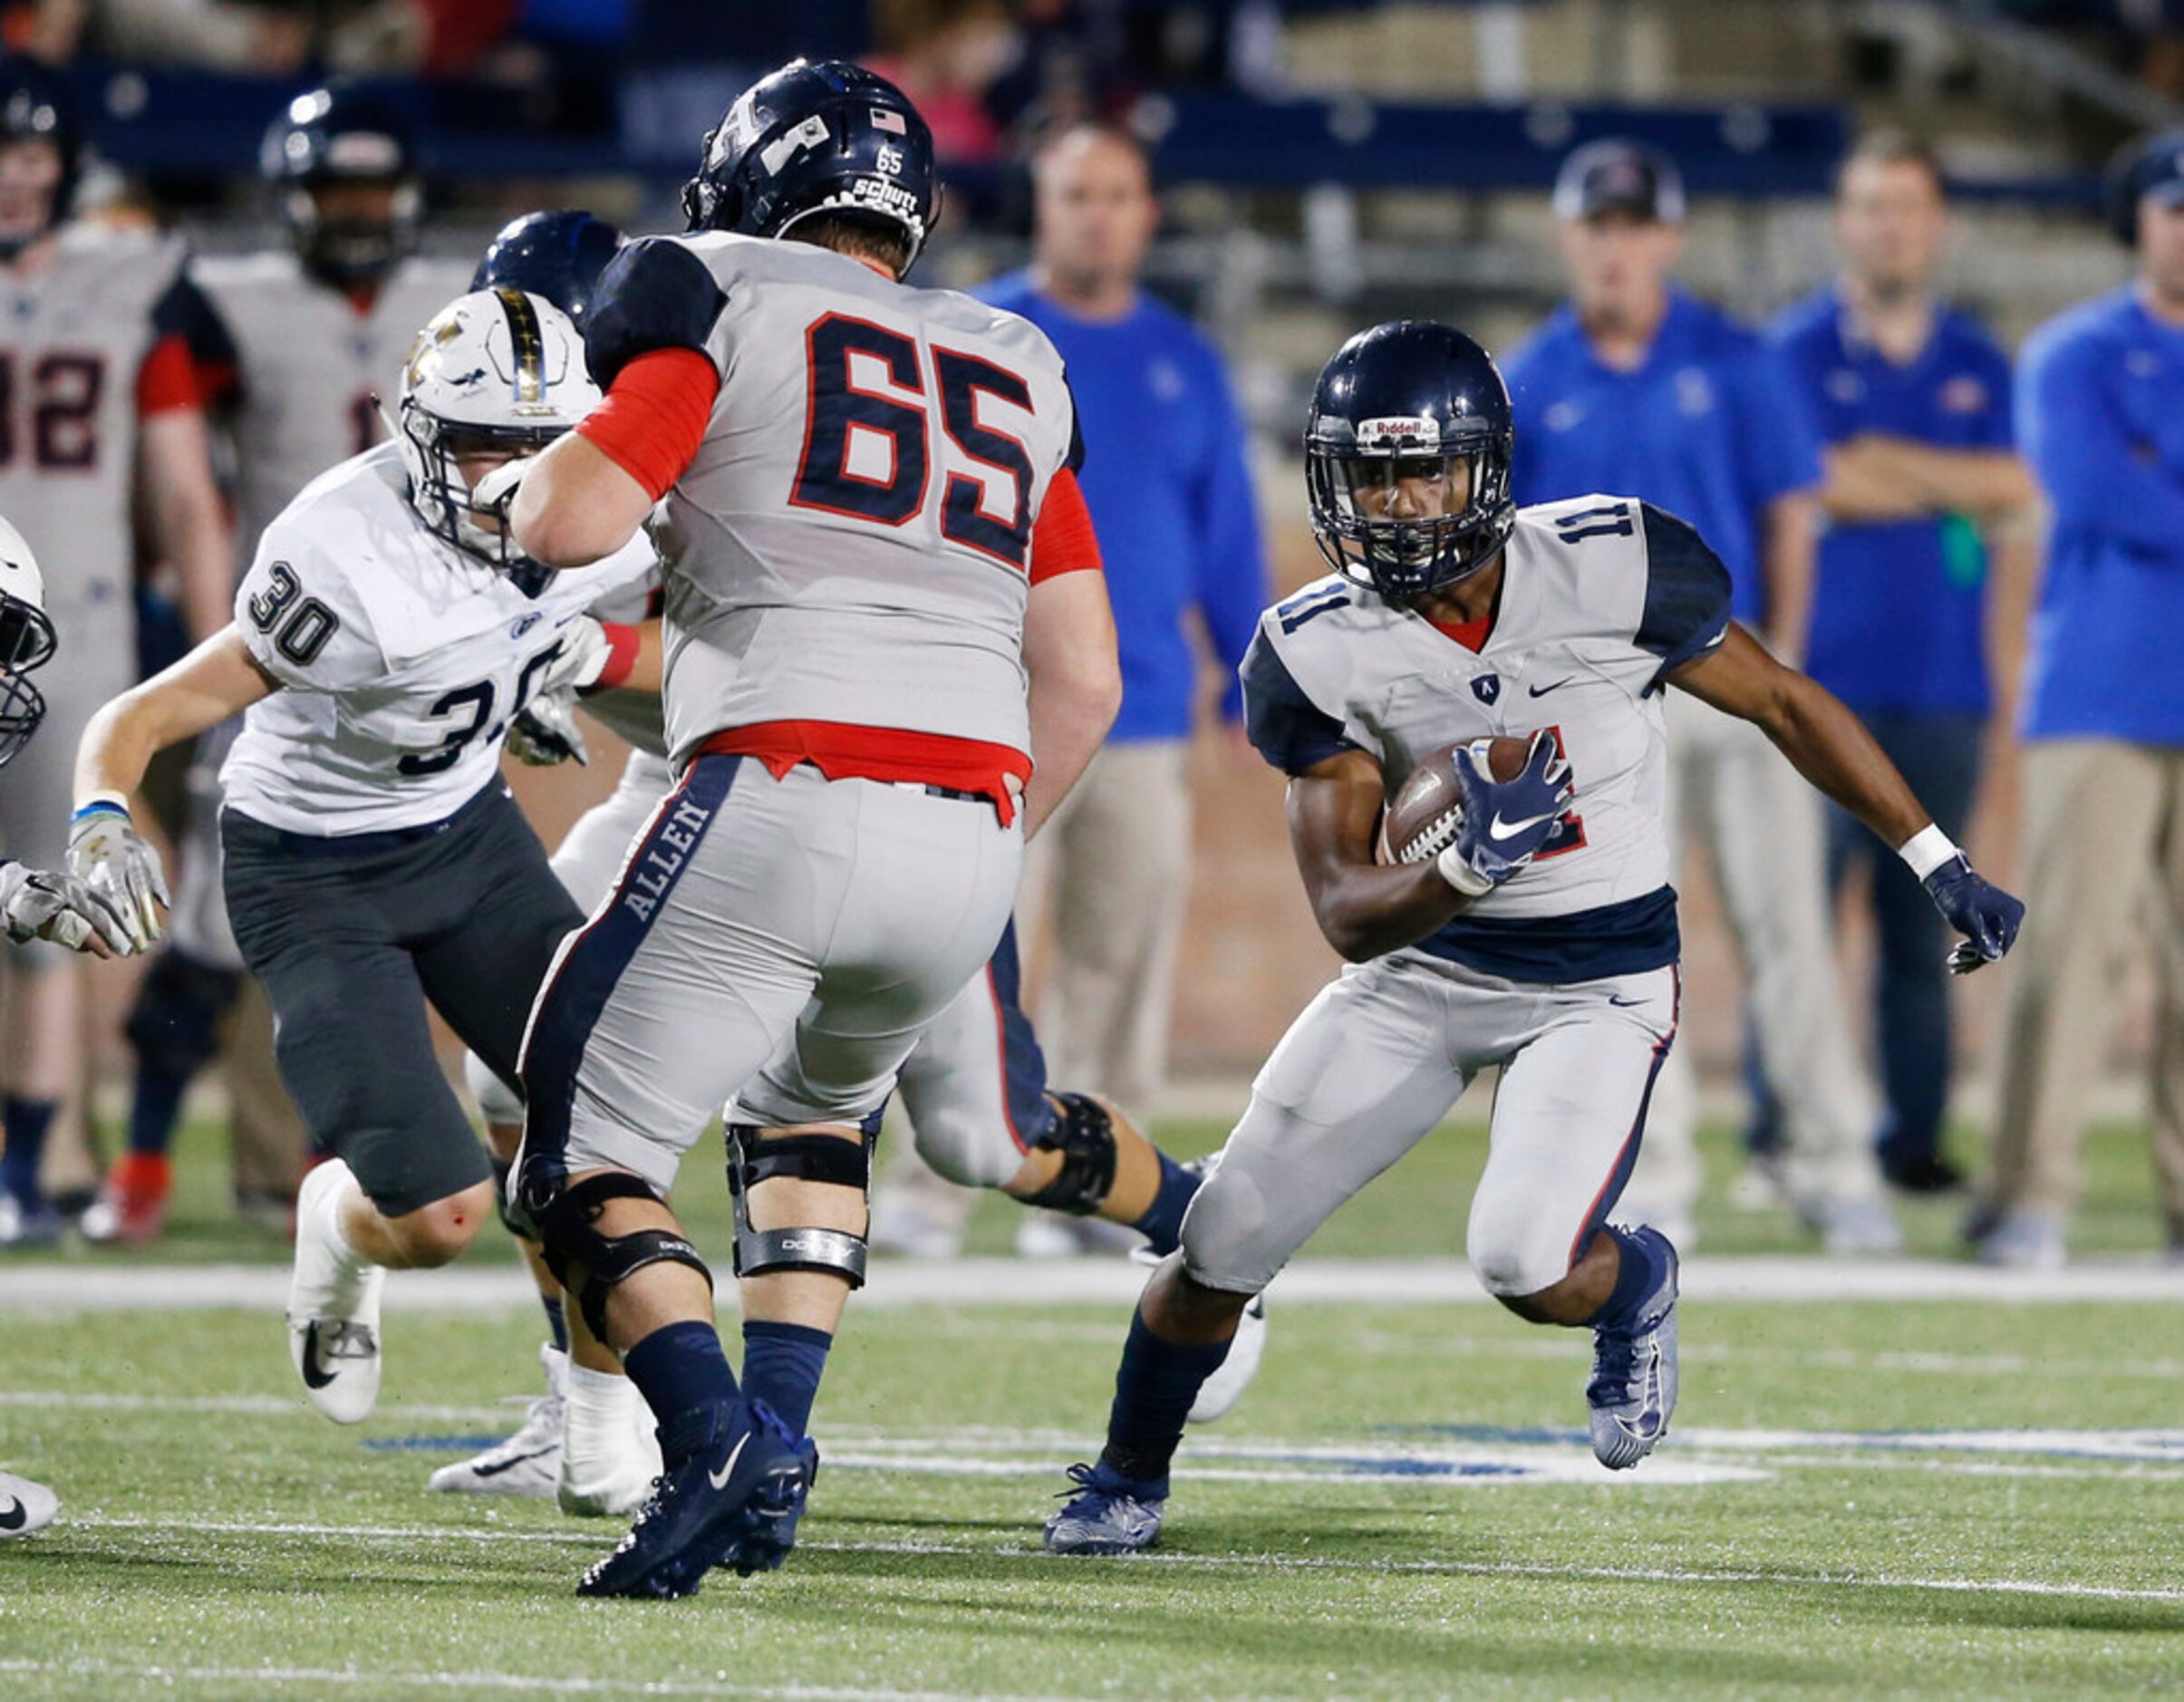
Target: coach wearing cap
1636,387
2101,418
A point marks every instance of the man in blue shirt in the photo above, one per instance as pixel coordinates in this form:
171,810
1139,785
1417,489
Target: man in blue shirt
1635,388
1166,478
2102,715
1913,399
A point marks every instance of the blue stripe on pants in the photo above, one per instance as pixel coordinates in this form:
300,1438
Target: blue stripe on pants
570,1004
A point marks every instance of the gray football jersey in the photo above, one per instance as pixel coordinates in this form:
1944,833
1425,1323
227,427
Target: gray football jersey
73,336
851,543
308,365
1601,598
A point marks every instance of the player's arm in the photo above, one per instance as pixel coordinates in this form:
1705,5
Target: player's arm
189,521
1832,749
1789,555
1070,652
1364,907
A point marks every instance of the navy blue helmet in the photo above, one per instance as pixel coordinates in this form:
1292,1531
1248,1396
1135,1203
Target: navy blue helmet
1406,455
37,105
2152,165
825,138
558,255
336,136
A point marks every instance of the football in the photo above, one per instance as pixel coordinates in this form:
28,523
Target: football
1425,813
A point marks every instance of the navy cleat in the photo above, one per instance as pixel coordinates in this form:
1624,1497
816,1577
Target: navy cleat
1632,1393
1106,1513
732,1502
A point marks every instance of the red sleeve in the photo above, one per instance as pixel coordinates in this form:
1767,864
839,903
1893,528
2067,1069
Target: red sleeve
168,379
1062,539
654,416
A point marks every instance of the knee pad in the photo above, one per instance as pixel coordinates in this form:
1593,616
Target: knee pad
1084,1134
497,1101
176,1023
568,1229
811,1158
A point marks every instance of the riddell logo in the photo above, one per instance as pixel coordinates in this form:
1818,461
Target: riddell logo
1399,431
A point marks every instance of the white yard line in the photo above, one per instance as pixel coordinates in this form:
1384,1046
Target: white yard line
1249,1562
393,1683
55,1288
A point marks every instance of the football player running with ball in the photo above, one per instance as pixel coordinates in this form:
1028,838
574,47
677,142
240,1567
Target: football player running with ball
384,639
1534,931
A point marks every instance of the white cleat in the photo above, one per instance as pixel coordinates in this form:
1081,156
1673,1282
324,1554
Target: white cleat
1042,1234
1221,1392
333,1304
530,1462
25,1506
1861,1226
612,1452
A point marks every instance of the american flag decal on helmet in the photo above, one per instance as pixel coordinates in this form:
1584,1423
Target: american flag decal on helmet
529,340
882,119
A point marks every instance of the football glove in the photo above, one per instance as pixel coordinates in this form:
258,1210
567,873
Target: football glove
595,656
1987,916
120,867
1505,823
547,732
40,905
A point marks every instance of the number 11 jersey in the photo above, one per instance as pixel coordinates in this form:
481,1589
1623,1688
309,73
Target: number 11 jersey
851,545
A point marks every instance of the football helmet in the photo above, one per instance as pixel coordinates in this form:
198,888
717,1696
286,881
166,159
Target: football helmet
824,138
558,255
1404,412
338,136
2150,165
495,371
37,105
26,641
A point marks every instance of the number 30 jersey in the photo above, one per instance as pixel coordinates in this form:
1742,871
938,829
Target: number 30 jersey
402,659
852,543
1601,598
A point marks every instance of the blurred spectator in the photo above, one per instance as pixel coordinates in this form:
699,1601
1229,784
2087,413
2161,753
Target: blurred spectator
946,56
218,35
1635,388
1913,399
2103,722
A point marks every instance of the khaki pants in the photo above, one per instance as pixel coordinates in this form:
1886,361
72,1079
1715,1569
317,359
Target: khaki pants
1110,874
2104,823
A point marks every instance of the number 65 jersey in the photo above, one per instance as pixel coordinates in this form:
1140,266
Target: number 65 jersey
851,544
1601,598
402,659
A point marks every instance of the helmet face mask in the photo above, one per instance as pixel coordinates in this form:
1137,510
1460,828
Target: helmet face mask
1408,456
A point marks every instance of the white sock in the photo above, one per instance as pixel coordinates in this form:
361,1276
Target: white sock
337,1233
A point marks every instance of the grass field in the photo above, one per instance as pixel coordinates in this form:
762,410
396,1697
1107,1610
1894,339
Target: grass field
1861,1498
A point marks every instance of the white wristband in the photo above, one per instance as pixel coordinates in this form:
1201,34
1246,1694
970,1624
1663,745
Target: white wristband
1460,875
1927,850
112,800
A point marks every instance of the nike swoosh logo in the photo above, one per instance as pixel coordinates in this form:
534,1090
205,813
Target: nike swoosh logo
17,1516
314,1376
1501,829
510,1465
1542,691
727,1471
1625,1002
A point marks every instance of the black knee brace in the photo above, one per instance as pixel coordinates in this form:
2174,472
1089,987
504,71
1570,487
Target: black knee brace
1084,1134
566,1227
810,1159
175,1025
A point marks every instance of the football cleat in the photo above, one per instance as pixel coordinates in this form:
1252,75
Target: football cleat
25,1506
1858,1226
611,1455
132,1207
1632,1392
732,1502
530,1462
333,1304
1106,1513
2021,1239
29,1229
1043,1235
1221,1392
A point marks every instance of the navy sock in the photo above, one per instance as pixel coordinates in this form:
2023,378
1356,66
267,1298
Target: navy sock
558,1320
782,1365
1162,1226
678,1368
1645,1261
27,1121
156,1108
1154,1390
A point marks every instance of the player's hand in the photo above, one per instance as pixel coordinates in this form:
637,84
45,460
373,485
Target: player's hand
1505,823
119,868
497,489
1987,916
37,905
595,656
546,733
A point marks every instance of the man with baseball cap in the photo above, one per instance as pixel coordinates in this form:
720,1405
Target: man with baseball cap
1635,385
2102,718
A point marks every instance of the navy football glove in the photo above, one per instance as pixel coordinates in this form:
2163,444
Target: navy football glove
1505,823
1982,913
